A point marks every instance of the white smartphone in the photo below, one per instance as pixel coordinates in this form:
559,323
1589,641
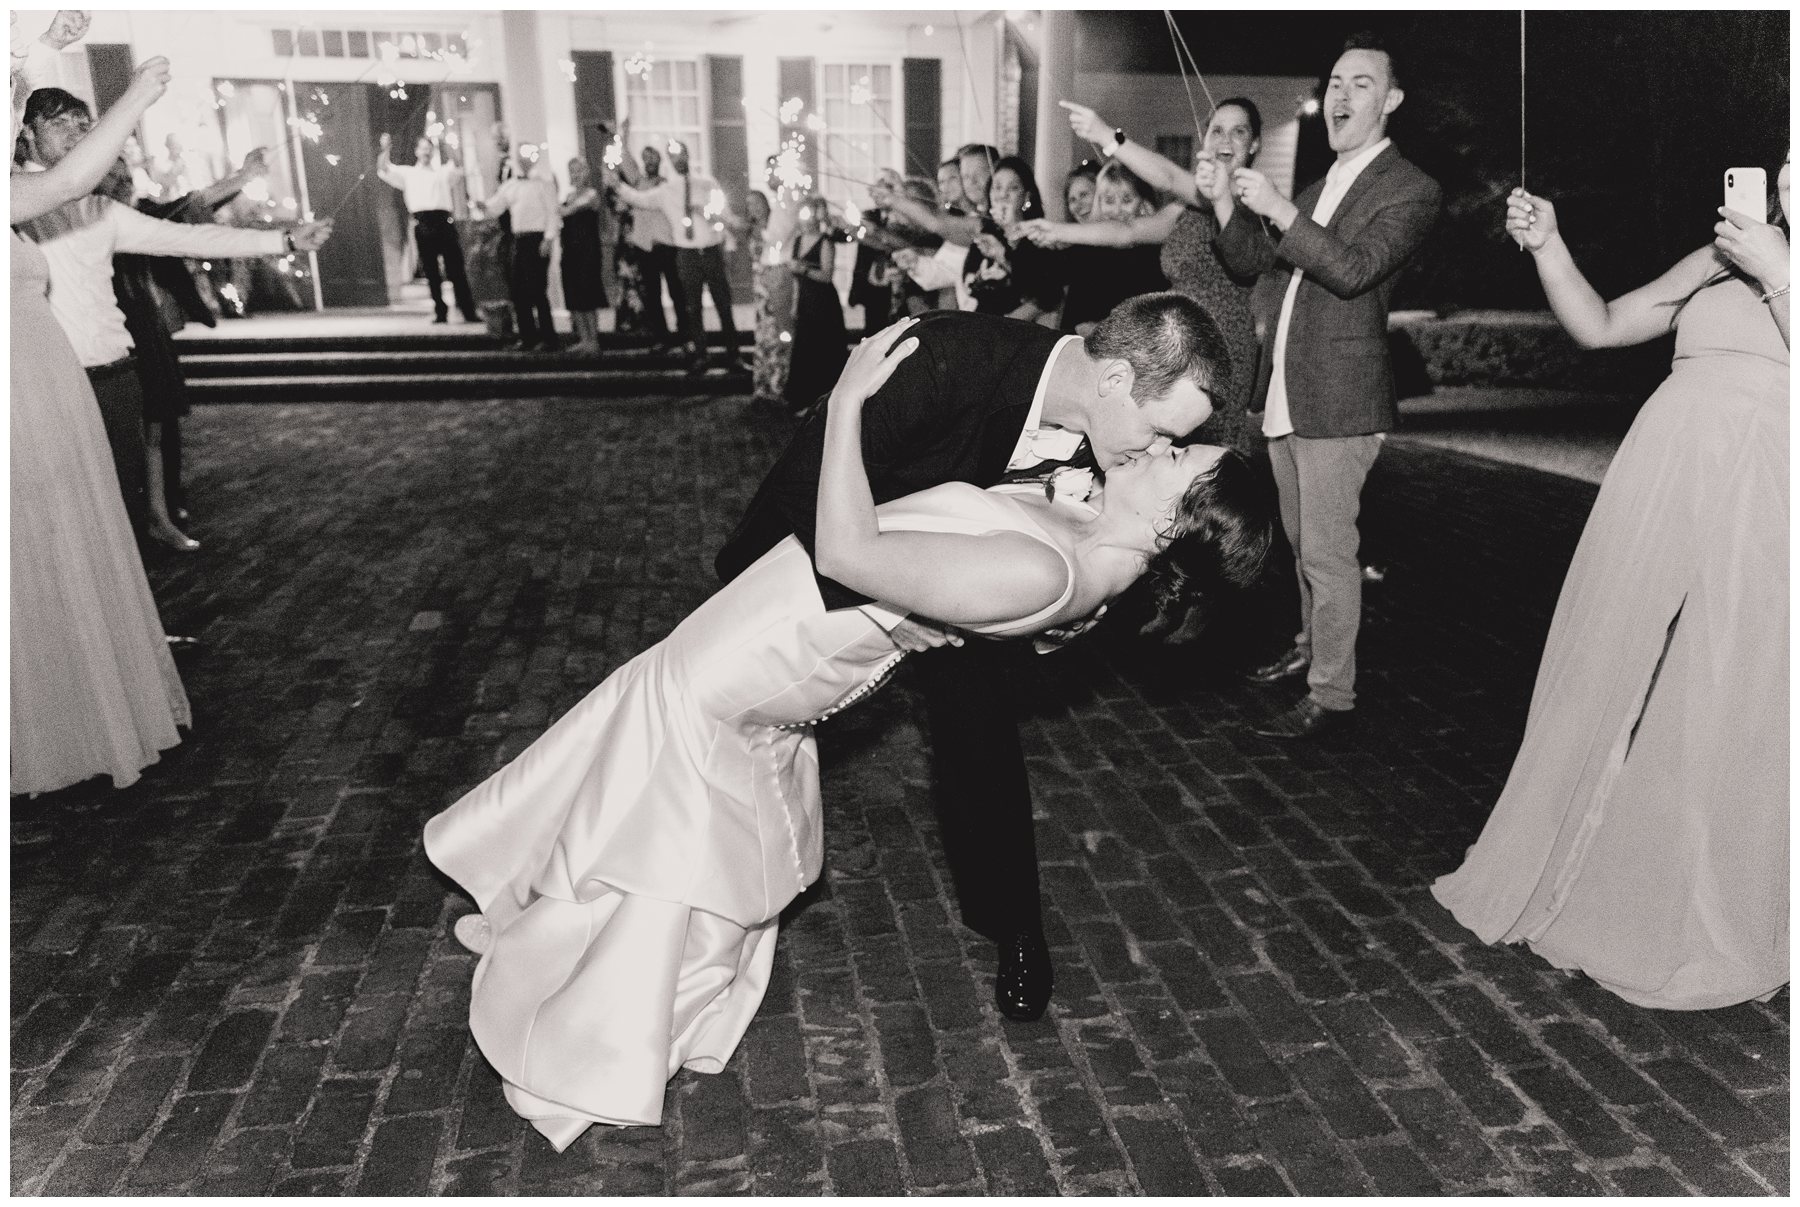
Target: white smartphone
1747,192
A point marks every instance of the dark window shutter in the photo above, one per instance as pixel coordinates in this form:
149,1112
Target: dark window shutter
921,81
594,101
795,79
595,104
109,63
731,154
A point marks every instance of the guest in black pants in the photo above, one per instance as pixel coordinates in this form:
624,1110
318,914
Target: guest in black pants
530,198
429,186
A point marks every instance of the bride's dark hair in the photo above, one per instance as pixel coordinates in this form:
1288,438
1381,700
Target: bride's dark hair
1219,537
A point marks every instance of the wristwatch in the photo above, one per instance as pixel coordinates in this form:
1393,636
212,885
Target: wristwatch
1118,140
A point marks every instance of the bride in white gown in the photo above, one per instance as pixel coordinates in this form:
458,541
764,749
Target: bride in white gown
629,866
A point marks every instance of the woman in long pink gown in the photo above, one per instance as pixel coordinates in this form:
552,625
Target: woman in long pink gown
93,689
1642,836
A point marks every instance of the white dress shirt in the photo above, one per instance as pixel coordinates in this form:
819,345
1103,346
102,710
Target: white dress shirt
532,201
1277,419
695,197
425,188
79,239
943,269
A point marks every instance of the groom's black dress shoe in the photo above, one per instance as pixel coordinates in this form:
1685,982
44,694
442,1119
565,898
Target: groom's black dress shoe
1022,987
1304,720
1292,663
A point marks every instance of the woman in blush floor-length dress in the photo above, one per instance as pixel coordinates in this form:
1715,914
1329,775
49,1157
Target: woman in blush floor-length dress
631,863
1642,834
94,690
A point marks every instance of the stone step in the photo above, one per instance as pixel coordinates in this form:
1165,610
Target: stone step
461,362
467,339
398,387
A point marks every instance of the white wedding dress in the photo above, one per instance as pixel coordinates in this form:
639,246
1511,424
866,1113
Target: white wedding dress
630,864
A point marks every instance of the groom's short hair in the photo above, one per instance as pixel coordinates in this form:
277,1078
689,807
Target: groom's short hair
1164,337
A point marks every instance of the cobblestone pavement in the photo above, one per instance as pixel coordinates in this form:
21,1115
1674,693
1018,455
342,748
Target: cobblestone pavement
237,976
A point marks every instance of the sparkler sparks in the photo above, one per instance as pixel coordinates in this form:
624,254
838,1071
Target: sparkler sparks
790,110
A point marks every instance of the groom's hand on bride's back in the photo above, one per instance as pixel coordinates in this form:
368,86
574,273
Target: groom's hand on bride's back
917,636
1051,640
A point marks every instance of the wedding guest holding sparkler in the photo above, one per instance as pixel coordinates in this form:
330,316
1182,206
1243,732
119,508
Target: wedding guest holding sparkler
819,350
1078,191
870,279
909,297
430,185
1186,229
529,197
94,688
1642,836
1101,277
695,206
774,291
158,295
584,290
950,197
653,241
1004,273
956,224
79,240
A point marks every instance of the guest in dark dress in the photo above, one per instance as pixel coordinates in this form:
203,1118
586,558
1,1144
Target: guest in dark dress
1102,277
584,292
1007,274
819,348
872,277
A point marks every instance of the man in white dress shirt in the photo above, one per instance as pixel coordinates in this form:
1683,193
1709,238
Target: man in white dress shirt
698,214
429,185
529,197
79,239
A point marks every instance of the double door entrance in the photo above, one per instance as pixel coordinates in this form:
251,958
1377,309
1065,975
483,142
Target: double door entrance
324,137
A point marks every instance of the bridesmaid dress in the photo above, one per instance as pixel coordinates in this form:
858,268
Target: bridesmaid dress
94,690
1642,836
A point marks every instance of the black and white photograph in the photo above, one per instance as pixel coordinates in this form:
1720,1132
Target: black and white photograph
854,602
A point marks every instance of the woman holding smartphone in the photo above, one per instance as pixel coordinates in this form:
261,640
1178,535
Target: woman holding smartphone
1642,834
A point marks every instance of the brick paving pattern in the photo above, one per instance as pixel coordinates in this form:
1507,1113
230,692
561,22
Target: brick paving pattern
237,976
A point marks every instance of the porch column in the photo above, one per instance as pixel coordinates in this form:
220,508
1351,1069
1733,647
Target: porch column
523,103
1055,151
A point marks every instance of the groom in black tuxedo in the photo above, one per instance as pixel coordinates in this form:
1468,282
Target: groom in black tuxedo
981,399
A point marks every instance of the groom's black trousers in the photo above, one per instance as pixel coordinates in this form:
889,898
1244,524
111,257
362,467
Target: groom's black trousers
979,783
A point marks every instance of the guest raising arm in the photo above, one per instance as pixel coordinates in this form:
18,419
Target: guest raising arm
1757,250
91,155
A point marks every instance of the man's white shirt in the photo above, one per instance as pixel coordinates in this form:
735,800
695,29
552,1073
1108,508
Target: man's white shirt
79,239
425,188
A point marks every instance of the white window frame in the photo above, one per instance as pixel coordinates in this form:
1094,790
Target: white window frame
639,94
856,142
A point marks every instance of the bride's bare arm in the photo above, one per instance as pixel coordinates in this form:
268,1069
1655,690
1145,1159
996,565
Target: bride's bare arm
950,577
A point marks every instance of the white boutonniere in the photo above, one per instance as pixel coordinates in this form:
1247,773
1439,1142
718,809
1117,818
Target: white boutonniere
1070,483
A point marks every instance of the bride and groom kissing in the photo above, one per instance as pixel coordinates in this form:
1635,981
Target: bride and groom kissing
630,865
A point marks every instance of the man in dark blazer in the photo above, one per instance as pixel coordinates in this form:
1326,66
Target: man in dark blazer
984,395
1324,382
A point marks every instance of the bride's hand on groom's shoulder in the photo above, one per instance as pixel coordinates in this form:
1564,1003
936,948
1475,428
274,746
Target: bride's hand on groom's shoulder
870,364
